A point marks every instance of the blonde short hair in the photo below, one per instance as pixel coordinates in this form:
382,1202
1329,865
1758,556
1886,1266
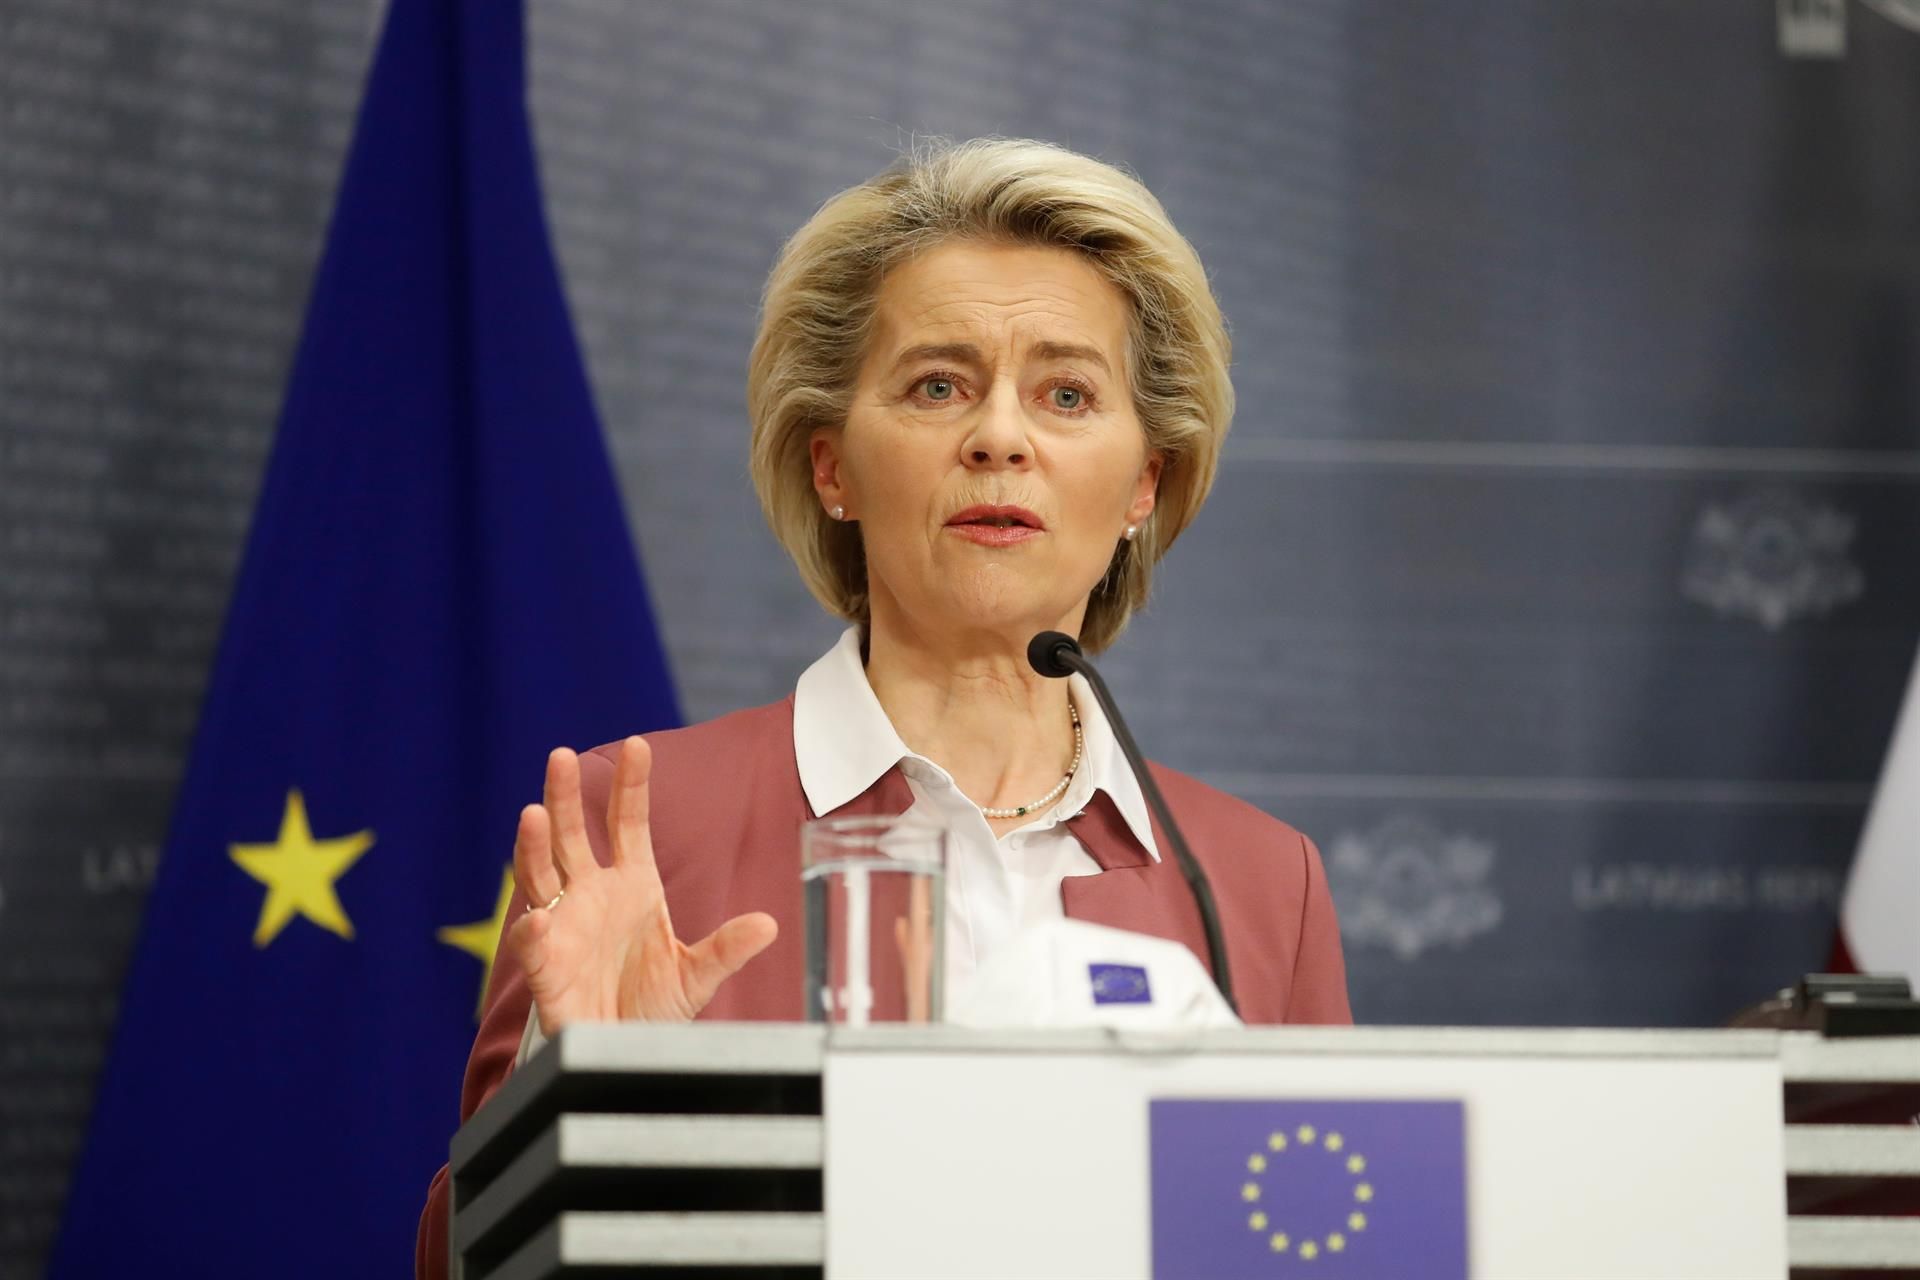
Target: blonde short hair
818,310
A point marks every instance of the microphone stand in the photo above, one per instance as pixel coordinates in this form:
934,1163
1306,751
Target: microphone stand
1056,654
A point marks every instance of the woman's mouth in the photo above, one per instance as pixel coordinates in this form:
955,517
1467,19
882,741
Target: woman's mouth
996,526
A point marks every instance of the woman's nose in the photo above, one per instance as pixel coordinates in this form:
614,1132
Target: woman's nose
999,434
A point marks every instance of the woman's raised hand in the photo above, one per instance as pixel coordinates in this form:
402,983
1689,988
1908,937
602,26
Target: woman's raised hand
606,949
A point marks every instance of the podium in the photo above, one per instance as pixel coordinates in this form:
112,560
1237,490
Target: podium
778,1150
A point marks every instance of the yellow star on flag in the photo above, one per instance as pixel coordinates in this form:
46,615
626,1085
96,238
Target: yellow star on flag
481,939
299,872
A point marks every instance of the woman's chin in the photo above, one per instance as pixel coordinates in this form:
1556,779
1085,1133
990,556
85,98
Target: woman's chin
1015,614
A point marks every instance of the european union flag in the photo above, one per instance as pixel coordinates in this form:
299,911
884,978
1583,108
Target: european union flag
439,587
1298,1187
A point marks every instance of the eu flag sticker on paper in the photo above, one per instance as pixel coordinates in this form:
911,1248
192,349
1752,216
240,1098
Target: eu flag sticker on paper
1293,1188
1119,984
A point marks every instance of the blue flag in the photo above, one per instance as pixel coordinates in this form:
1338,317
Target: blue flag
439,587
1297,1188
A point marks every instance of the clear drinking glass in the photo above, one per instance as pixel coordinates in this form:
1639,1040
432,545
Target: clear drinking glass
875,902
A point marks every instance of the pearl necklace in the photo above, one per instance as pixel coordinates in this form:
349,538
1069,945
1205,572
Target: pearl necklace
1059,788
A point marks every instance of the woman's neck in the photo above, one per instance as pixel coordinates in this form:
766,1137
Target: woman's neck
972,705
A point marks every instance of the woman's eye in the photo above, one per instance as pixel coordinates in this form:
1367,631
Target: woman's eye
937,388
1068,398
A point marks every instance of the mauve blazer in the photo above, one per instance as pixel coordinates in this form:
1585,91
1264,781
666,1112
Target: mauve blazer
726,811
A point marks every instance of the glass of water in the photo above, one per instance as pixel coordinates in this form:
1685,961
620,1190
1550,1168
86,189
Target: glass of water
875,905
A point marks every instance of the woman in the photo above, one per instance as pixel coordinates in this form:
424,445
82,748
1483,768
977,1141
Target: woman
988,392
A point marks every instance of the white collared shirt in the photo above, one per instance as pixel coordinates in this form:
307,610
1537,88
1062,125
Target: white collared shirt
996,886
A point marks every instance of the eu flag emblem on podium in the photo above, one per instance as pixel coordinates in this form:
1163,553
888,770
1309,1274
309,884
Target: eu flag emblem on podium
439,587
1296,1188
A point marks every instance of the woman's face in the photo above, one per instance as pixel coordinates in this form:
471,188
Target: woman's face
991,452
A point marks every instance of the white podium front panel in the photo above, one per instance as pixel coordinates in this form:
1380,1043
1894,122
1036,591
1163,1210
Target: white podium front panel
1587,1153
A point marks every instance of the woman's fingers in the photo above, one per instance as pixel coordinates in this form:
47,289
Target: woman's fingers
720,955
530,939
527,939
533,869
630,802
571,850
581,963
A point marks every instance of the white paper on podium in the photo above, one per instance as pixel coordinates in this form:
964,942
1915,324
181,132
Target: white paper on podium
1596,1153
1064,973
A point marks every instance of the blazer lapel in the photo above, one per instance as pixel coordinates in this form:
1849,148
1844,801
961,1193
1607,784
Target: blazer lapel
888,797
1132,891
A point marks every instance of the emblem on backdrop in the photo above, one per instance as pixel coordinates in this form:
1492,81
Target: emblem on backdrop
1406,885
1818,28
1772,557
1812,28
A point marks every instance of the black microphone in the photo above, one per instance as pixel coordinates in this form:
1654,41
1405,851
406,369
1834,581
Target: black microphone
1057,655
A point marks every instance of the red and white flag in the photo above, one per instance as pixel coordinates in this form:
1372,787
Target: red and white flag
1880,914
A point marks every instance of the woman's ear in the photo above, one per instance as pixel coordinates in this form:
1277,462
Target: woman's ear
823,454
1145,490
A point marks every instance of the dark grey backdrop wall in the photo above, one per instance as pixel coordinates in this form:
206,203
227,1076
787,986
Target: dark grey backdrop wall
1561,578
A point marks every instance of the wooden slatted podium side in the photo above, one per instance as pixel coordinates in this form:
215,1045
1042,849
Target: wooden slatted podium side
615,1151
1852,1109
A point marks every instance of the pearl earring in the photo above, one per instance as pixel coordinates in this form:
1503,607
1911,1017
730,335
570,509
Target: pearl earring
1129,533
839,513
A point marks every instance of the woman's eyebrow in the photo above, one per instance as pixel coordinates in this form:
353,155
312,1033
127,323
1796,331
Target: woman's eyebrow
958,352
1069,351
967,353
